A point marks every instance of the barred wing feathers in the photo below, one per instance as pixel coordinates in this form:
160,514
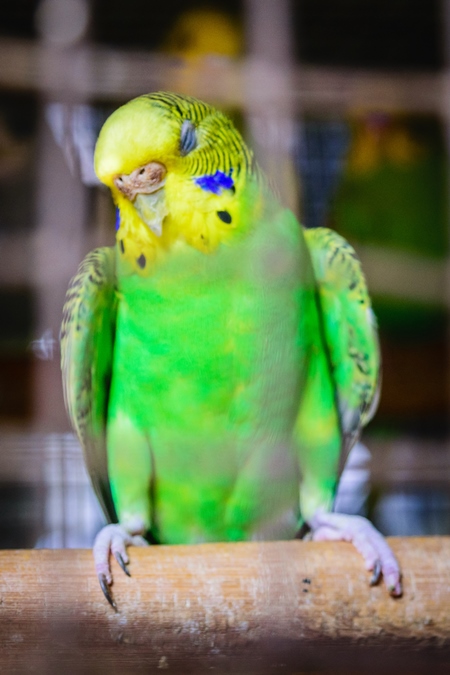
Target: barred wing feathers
87,342
350,330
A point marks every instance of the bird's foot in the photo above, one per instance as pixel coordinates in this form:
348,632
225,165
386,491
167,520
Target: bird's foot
113,539
374,548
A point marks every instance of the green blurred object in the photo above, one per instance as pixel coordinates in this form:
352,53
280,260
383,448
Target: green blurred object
393,199
393,192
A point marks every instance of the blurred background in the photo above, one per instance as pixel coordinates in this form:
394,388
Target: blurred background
347,104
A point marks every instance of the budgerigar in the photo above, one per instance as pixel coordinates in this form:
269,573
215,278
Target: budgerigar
220,361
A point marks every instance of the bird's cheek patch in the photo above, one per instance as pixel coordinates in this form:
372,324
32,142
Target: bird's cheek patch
215,183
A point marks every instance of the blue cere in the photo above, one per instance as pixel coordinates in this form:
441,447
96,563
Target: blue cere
117,219
215,182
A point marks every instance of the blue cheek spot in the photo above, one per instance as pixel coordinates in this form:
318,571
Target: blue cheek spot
117,219
215,182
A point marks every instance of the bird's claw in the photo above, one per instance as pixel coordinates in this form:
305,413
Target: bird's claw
106,591
375,550
122,563
376,574
113,539
395,587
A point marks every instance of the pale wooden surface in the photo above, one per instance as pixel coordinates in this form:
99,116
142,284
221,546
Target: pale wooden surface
281,607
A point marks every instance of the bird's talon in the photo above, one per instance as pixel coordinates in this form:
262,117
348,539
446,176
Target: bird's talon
122,563
106,592
368,541
376,575
396,590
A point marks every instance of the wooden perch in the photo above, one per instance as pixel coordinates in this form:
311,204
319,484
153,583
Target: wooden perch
281,607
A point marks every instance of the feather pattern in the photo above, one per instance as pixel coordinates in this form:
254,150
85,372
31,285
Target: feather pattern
220,145
87,338
350,330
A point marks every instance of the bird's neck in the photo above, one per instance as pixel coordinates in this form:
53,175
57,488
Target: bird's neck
203,224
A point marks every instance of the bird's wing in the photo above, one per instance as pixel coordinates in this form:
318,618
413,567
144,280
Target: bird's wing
350,330
87,341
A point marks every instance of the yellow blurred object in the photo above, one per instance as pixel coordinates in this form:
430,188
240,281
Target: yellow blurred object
401,148
365,154
382,138
202,32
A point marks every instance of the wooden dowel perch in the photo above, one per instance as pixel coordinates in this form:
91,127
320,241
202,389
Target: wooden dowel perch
281,607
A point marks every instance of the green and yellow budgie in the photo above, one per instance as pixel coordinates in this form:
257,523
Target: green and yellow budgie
220,361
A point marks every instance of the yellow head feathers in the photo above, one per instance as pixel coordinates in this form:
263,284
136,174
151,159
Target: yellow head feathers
176,168
149,128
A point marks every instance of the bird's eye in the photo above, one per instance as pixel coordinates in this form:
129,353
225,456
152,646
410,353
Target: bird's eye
142,171
188,138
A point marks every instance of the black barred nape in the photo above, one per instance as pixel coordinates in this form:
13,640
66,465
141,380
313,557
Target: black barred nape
218,144
184,107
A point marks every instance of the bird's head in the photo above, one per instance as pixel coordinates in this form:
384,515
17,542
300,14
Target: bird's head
177,169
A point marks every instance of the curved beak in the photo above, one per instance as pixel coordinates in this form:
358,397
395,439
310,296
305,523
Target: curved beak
143,180
144,186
